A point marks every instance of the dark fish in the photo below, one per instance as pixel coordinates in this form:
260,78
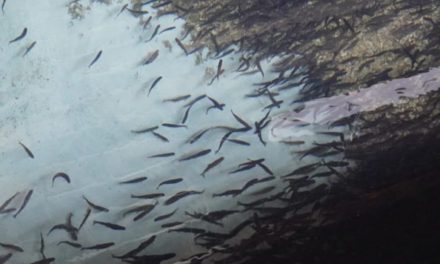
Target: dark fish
181,46
147,21
26,200
5,258
219,72
96,58
188,230
322,174
73,244
44,261
189,106
295,142
151,57
122,9
241,121
138,249
177,99
249,184
109,225
68,228
137,12
264,190
165,216
337,163
215,105
172,181
7,202
42,246
86,216
22,35
223,139
7,211
180,195
243,168
148,196
28,49
161,137
145,130
171,224
144,209
239,142
3,6
162,4
228,192
27,150
265,168
216,46
99,246
303,170
162,155
135,180
11,247
154,84
195,155
166,29
61,175
173,125
212,165
257,63
155,32
95,207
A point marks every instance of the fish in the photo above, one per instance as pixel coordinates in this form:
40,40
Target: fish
336,163
22,35
122,9
5,258
27,150
219,72
143,245
148,196
195,155
11,247
154,84
216,46
61,175
239,142
215,104
96,58
99,246
172,181
177,98
180,195
265,168
137,12
26,200
223,139
7,202
243,168
71,230
257,63
322,174
161,137
173,125
193,230
42,246
109,225
86,216
162,155
171,224
154,33
144,209
212,165
165,216
44,261
3,6
293,142
145,130
147,22
166,29
180,44
7,211
241,121
135,180
29,48
73,244
95,207
151,57
189,106
234,192
264,190
249,184
162,4
303,170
